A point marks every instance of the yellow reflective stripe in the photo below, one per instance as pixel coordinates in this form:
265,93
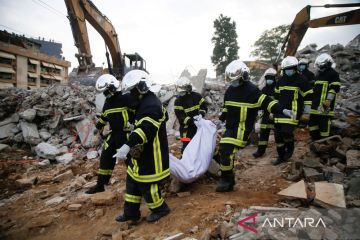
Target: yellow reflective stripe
135,166
307,102
264,126
313,128
242,104
148,178
321,82
114,110
178,107
233,141
149,119
132,198
104,171
280,144
324,92
306,93
231,165
332,91
102,121
186,120
335,84
271,104
316,112
261,99
106,145
196,107
327,132
289,88
125,117
141,133
262,143
156,204
157,155
277,90
286,120
225,110
201,101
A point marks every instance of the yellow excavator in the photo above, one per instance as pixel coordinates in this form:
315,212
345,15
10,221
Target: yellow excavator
302,22
80,11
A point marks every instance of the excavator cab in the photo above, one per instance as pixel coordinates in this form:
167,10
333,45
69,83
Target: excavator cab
133,61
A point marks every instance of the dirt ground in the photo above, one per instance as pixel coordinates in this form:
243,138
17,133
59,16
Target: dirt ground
26,216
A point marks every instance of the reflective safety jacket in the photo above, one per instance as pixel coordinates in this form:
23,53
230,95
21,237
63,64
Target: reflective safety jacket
117,113
309,75
188,106
268,90
326,82
241,105
292,93
150,132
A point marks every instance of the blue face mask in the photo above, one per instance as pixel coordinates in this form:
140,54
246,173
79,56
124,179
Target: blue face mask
289,72
269,81
235,83
302,67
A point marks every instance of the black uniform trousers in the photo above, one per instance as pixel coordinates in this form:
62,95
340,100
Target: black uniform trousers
319,126
284,137
107,161
135,191
265,127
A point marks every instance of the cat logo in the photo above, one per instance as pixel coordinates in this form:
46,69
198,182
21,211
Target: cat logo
340,20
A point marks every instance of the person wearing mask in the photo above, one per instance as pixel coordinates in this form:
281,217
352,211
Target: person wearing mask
303,68
117,113
327,85
267,121
151,165
242,101
188,104
292,91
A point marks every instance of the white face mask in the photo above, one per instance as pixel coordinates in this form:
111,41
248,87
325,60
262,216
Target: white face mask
269,81
235,83
182,93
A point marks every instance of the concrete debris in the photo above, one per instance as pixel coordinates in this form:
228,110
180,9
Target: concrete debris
85,130
177,236
4,146
353,159
46,150
6,131
28,114
30,133
64,176
65,159
329,195
91,155
296,190
74,207
103,198
54,201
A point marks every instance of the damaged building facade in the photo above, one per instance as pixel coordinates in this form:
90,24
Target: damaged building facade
30,63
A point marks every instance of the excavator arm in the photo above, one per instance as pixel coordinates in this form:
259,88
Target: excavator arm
80,11
302,22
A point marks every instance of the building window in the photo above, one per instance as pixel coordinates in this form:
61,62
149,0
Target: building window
31,81
6,76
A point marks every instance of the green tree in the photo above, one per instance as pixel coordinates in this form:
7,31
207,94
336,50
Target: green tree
225,43
268,45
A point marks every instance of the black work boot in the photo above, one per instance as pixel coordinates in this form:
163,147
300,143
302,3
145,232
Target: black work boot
124,218
158,213
278,161
281,155
99,187
259,153
289,150
227,182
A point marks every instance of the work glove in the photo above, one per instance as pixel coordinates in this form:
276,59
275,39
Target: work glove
305,117
289,113
122,152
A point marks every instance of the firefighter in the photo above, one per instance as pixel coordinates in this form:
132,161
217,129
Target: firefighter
303,68
326,86
187,105
292,91
117,114
242,101
267,121
145,171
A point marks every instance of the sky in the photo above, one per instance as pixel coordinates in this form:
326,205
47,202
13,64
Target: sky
170,35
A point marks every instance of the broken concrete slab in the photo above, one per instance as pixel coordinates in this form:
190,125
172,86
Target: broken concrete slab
85,129
45,135
46,150
296,190
329,194
29,114
65,159
30,132
99,102
12,119
7,130
199,81
353,159
312,175
103,198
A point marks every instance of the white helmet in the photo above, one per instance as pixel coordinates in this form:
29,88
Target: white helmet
183,84
270,72
289,62
136,78
107,82
323,61
237,70
303,61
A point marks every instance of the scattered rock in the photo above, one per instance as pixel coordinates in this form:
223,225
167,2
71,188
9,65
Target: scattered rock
353,159
28,115
177,236
43,221
85,129
103,198
183,194
312,175
74,207
91,155
54,201
329,194
26,182
65,159
64,176
4,146
296,190
7,130
46,150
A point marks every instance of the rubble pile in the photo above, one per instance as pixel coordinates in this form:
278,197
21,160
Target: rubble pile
54,121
